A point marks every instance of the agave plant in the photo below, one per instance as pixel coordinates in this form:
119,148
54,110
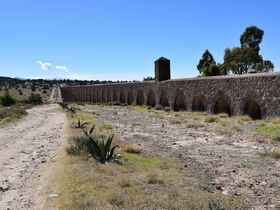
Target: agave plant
100,147
81,124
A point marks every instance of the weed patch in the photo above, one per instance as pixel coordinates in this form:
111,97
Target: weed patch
11,114
211,119
131,148
274,153
271,129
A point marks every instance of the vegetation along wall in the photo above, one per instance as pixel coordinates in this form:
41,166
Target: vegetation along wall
257,95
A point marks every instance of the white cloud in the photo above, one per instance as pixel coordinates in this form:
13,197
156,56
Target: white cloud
44,65
61,68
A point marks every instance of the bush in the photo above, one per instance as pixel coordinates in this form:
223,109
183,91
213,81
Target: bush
33,88
35,99
7,100
20,92
9,114
77,146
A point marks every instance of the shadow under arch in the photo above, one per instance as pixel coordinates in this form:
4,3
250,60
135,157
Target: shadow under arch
179,103
104,96
252,109
99,95
222,105
115,95
151,100
129,97
163,101
140,97
122,97
199,104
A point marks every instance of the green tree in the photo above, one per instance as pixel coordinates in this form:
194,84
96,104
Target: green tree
35,99
207,65
264,66
239,60
252,38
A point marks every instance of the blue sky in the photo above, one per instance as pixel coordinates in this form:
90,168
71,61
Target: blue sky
120,39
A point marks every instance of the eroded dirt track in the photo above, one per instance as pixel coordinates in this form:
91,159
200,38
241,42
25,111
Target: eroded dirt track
27,149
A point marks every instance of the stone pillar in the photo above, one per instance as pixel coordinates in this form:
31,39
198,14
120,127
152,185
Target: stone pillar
162,69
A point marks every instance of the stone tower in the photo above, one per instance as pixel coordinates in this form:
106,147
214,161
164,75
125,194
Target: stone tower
162,69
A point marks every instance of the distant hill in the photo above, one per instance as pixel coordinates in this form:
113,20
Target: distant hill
21,89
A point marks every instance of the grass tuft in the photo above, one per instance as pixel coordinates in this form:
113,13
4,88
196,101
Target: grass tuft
11,114
274,153
211,119
154,178
107,126
131,148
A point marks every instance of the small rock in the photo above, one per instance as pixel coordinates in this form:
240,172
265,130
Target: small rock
53,195
43,161
4,186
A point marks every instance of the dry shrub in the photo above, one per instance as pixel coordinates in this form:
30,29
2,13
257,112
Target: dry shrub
211,119
154,178
131,148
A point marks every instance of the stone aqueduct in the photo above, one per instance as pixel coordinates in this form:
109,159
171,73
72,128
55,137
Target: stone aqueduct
257,95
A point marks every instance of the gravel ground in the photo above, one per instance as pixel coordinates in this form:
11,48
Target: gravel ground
27,149
227,163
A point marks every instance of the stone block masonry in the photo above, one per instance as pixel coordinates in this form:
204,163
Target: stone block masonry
257,95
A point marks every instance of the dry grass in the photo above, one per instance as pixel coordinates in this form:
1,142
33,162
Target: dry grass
140,109
131,148
106,126
139,181
270,128
273,153
211,119
11,114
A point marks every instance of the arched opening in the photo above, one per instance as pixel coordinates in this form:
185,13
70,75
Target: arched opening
151,99
115,96
99,95
179,104
198,104
222,106
129,98
252,109
104,96
164,99
122,97
140,98
109,94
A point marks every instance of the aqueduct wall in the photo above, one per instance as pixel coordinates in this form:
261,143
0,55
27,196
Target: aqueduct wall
256,94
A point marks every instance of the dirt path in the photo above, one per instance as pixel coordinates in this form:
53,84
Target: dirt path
27,149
